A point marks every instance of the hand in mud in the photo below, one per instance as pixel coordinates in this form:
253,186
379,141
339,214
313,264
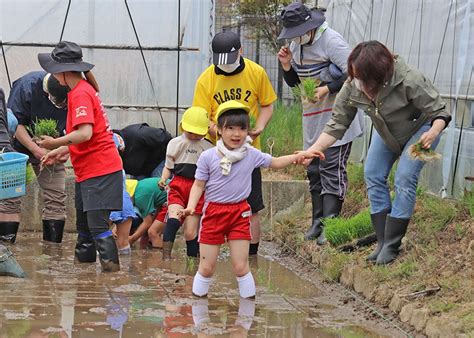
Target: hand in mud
185,212
47,142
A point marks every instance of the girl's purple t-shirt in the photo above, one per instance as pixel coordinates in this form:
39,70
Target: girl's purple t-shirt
234,187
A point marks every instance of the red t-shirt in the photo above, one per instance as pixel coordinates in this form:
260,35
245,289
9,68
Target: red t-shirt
98,156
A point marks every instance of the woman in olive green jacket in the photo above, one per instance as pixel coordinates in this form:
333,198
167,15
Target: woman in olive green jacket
405,108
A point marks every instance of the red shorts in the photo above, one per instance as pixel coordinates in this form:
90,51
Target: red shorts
161,215
180,187
225,221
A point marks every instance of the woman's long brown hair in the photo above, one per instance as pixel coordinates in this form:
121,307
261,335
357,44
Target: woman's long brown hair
91,79
372,63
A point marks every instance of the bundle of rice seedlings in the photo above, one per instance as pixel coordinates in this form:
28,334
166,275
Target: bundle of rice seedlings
44,127
340,230
417,152
306,90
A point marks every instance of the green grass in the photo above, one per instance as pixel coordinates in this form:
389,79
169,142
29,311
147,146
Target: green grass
284,130
355,174
468,201
433,217
438,305
343,230
46,127
332,268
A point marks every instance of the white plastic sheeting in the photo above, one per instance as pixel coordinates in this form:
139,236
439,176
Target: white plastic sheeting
120,73
437,37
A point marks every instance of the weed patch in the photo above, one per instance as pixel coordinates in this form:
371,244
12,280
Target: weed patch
433,217
332,268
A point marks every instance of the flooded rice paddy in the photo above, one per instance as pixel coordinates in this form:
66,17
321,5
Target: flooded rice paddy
152,298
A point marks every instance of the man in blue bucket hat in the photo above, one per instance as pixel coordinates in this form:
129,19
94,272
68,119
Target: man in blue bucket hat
8,264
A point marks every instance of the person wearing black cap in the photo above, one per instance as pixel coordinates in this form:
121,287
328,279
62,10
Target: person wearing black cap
317,51
95,159
33,97
233,77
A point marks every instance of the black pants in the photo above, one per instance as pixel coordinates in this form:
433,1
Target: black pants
93,222
95,199
330,176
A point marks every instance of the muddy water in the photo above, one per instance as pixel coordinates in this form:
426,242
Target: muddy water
151,298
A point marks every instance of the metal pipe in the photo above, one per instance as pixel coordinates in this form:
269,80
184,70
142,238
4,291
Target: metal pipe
123,47
177,67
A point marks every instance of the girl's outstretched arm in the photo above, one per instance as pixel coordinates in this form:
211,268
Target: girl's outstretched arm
194,196
300,157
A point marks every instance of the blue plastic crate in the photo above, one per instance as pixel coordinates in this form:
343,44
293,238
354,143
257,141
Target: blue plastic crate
12,175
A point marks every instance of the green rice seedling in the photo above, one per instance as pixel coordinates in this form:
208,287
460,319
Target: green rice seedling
306,90
340,230
44,127
417,152
30,174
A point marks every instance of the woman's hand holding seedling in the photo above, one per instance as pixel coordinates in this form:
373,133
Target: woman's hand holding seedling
427,138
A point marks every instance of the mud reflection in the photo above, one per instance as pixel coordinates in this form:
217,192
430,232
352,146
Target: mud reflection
151,298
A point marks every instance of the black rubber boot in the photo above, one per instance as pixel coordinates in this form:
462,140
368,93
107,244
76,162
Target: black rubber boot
395,230
253,249
8,231
108,252
167,248
378,223
8,264
85,251
332,206
53,230
316,227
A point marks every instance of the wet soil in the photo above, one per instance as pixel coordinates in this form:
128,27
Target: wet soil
152,298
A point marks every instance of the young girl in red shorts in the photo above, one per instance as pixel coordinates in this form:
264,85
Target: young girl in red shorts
225,172
182,154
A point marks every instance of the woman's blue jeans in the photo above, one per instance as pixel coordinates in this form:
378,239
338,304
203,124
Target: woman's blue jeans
379,162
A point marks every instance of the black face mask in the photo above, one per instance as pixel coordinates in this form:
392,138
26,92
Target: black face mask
58,103
57,93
